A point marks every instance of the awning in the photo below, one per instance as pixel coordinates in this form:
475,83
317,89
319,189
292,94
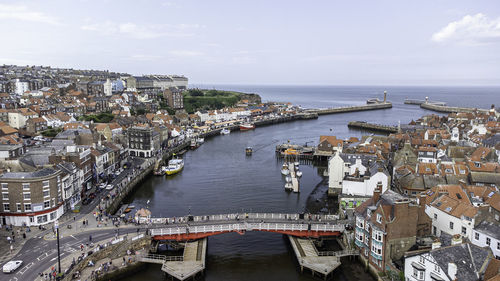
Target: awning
418,266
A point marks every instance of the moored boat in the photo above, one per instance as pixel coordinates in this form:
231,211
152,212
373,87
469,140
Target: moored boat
174,166
288,186
247,126
248,150
284,169
225,131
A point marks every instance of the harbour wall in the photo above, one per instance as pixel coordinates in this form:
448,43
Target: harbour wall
372,127
335,110
450,109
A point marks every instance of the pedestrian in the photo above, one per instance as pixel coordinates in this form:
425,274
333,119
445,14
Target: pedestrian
74,218
90,238
24,235
11,248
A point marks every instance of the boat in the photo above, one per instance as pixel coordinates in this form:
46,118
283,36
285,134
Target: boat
200,141
299,174
194,144
284,169
248,150
174,166
225,131
247,126
288,186
288,179
127,210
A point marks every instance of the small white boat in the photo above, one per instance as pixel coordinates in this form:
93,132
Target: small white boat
297,164
299,174
288,179
288,186
284,170
200,140
225,131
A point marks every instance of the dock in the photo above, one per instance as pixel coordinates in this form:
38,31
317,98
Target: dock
375,106
295,180
190,264
308,257
372,127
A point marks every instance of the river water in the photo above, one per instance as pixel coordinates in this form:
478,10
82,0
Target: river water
219,178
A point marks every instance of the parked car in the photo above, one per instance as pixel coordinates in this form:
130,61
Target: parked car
109,187
11,266
86,201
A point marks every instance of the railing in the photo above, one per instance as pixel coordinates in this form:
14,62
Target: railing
339,253
175,230
161,258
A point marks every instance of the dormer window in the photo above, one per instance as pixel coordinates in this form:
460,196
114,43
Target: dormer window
477,164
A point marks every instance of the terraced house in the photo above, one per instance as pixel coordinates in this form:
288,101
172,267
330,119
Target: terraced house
386,227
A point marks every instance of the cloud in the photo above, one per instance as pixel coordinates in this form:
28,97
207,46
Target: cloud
141,57
22,13
243,60
185,53
149,31
472,30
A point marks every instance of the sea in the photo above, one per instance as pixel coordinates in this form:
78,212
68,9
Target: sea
219,178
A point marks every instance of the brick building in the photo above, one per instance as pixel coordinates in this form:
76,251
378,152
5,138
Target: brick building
387,226
174,98
35,125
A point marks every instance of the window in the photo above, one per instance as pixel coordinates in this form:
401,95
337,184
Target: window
379,218
46,193
46,184
436,268
27,207
464,230
46,204
6,207
421,259
27,196
498,245
26,186
476,236
435,216
488,241
5,186
451,225
52,216
18,207
5,195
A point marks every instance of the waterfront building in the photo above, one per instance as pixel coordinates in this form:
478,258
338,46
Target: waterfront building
31,198
460,261
387,226
143,141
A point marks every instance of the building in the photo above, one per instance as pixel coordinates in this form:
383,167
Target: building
386,227
460,261
31,198
174,98
487,234
71,183
11,151
143,141
328,145
17,119
21,86
35,125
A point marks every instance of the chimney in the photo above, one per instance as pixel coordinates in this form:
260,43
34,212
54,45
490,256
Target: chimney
452,270
436,244
457,239
377,192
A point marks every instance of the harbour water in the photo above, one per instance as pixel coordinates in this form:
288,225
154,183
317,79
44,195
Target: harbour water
218,177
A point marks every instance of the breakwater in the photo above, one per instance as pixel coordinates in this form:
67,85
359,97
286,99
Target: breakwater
335,110
419,102
450,109
372,127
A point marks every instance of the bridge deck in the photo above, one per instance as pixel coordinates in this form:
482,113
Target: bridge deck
191,228
193,262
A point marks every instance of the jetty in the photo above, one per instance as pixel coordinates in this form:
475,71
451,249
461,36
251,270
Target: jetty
372,127
451,109
190,264
419,102
319,263
375,106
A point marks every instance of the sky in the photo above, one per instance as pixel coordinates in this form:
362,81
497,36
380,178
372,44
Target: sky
372,42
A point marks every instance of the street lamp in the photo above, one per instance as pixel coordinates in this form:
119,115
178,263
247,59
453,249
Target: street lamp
56,225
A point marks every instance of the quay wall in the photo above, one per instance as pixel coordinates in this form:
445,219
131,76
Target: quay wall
372,127
352,108
451,109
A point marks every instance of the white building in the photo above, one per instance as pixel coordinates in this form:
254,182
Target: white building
456,262
108,88
487,234
21,87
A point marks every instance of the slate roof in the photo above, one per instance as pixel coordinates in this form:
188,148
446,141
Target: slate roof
489,228
469,259
22,175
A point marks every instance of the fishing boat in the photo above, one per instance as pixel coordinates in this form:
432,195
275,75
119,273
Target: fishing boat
288,179
225,131
299,174
288,186
284,169
247,126
248,151
174,166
